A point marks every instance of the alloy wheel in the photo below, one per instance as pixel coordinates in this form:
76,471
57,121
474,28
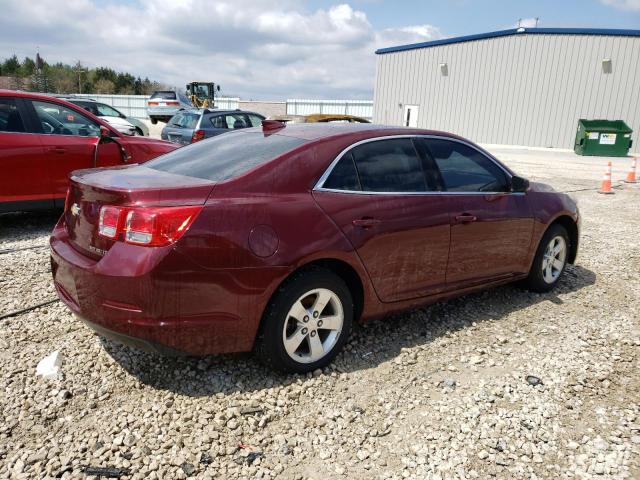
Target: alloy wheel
554,259
313,325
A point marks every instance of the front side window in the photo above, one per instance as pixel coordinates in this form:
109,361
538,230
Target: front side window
236,121
389,166
10,118
465,169
255,120
59,120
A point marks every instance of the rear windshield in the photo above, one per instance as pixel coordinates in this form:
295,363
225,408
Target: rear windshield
225,156
164,95
184,120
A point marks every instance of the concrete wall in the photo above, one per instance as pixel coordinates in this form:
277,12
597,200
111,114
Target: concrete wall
268,109
524,89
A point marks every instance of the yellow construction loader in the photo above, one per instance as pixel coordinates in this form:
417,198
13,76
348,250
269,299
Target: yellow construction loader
202,93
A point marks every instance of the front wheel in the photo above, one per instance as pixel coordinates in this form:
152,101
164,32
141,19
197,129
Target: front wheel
550,260
307,322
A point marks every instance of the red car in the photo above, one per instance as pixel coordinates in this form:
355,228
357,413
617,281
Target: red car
43,139
277,239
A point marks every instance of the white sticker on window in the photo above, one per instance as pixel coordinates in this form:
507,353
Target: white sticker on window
608,139
594,135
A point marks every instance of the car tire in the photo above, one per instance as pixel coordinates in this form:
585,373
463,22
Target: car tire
154,121
550,260
294,336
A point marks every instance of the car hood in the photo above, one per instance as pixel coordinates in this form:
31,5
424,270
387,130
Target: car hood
540,187
117,121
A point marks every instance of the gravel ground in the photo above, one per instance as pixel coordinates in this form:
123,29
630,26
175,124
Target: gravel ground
436,393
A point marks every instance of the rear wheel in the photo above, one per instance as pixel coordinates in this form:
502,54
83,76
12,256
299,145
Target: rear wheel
307,322
550,260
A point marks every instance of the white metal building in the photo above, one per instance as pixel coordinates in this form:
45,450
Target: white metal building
515,87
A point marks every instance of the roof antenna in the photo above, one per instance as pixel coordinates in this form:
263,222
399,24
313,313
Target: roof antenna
519,22
537,20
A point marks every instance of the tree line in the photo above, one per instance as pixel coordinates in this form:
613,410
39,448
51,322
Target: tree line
37,75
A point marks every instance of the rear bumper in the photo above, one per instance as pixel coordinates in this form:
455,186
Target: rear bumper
162,112
137,343
158,300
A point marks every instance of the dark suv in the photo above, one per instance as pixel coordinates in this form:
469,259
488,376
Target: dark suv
188,126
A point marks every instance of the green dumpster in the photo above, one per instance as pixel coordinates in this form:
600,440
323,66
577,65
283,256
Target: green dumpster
606,138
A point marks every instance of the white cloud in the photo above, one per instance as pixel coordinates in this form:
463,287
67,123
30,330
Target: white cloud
258,49
631,5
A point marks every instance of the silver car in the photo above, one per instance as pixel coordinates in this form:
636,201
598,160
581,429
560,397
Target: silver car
122,123
164,104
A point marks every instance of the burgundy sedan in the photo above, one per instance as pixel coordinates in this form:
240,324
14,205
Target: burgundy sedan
277,239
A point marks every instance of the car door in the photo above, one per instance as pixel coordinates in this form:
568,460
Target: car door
22,160
491,227
378,195
68,138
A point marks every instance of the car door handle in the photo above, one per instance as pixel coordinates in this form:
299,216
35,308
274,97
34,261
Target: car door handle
366,222
58,150
466,218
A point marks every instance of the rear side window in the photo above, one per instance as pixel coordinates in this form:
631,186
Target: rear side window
184,120
344,175
465,169
225,156
10,119
389,166
167,95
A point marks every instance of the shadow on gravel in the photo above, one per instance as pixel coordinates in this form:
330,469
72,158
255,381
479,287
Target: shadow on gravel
227,374
16,226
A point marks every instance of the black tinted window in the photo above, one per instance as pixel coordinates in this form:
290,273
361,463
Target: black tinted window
10,119
224,156
464,169
164,95
389,166
344,175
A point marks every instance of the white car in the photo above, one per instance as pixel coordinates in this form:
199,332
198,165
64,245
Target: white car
122,123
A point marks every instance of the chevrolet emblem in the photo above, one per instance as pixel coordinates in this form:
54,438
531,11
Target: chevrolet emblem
75,210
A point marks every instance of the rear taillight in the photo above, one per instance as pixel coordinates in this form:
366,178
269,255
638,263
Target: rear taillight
173,103
152,104
197,135
149,226
109,223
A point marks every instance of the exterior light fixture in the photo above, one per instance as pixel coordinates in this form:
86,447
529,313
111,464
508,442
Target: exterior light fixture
444,69
607,66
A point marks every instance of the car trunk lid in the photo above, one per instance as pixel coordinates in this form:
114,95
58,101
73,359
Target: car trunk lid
130,186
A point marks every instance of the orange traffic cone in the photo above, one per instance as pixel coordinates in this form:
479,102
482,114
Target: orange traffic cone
631,176
606,181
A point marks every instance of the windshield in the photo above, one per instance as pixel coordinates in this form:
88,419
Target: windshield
225,156
164,95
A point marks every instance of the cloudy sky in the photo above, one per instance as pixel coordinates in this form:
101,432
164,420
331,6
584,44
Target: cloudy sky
270,49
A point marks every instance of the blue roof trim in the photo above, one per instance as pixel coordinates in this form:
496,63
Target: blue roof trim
512,31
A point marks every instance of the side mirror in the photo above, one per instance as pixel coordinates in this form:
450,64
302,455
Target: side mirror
519,184
105,137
